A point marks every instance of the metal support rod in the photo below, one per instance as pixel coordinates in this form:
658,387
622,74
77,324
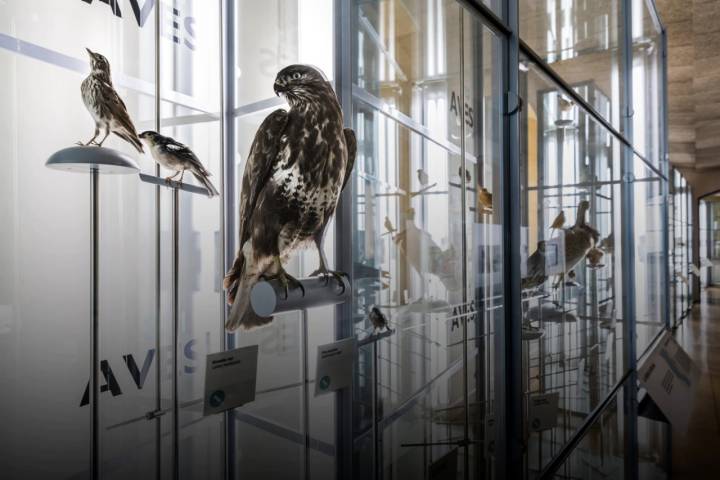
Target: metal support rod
377,467
628,248
94,327
158,267
176,316
269,297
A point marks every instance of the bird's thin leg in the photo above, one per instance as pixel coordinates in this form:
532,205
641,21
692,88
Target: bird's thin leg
182,174
286,280
92,140
323,269
172,177
107,132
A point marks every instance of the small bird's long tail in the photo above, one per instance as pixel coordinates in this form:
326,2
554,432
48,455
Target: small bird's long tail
133,140
211,190
239,285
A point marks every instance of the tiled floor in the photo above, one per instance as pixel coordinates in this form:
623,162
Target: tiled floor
696,453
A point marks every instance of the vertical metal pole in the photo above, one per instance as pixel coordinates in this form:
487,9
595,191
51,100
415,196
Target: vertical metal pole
377,461
345,18
94,327
226,40
665,168
176,330
463,206
628,246
158,265
306,397
228,179
508,374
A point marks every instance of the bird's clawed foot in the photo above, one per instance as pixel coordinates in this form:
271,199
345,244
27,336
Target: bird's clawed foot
323,271
286,280
87,144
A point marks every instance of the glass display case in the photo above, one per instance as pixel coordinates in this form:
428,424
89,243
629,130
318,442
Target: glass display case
489,135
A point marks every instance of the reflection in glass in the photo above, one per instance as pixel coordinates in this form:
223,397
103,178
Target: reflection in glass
571,263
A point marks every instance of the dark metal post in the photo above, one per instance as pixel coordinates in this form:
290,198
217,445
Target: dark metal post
345,18
628,248
508,373
158,271
176,316
94,326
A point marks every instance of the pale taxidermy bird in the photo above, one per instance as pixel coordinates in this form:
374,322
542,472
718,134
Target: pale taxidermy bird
175,156
105,105
299,162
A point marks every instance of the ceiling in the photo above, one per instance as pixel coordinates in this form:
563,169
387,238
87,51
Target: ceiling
693,32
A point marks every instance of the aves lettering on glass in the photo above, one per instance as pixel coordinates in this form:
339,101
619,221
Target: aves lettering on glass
105,105
175,156
299,162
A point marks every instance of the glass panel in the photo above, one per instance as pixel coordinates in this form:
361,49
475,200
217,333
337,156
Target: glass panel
580,40
649,257
428,245
653,449
571,263
601,452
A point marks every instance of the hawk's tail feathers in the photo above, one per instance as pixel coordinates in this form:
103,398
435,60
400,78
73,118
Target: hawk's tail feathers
241,313
211,190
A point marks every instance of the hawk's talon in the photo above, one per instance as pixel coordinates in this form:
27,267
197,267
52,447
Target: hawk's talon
329,273
286,280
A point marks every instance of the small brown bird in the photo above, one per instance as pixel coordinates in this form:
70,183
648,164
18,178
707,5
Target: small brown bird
389,227
468,177
485,200
566,104
105,105
559,221
423,177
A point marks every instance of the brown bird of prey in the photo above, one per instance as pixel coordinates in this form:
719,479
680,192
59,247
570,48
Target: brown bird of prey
299,162
173,155
105,105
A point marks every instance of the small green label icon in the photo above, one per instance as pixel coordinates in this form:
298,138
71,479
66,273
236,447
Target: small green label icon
325,383
217,398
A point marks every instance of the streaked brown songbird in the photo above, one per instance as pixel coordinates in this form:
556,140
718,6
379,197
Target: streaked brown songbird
559,221
485,200
378,319
299,162
105,105
175,156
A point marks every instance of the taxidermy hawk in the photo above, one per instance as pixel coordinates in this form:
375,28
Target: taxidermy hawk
299,162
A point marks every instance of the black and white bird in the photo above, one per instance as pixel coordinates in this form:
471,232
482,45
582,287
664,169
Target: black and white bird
299,162
378,319
105,105
175,156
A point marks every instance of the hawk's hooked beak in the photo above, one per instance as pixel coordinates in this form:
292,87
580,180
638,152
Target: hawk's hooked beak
279,87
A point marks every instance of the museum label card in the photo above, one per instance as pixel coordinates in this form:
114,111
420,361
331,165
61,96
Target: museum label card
670,376
543,411
230,379
334,366
555,255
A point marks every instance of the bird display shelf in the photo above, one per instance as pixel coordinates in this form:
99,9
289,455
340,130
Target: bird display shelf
86,159
165,182
268,297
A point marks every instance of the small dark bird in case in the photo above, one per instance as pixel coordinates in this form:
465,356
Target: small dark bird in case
378,319
105,105
175,156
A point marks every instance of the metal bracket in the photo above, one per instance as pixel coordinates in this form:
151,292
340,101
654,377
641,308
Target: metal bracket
268,297
375,337
155,414
172,184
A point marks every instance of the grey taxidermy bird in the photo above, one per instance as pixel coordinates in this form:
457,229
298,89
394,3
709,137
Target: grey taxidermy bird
175,156
299,162
105,105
